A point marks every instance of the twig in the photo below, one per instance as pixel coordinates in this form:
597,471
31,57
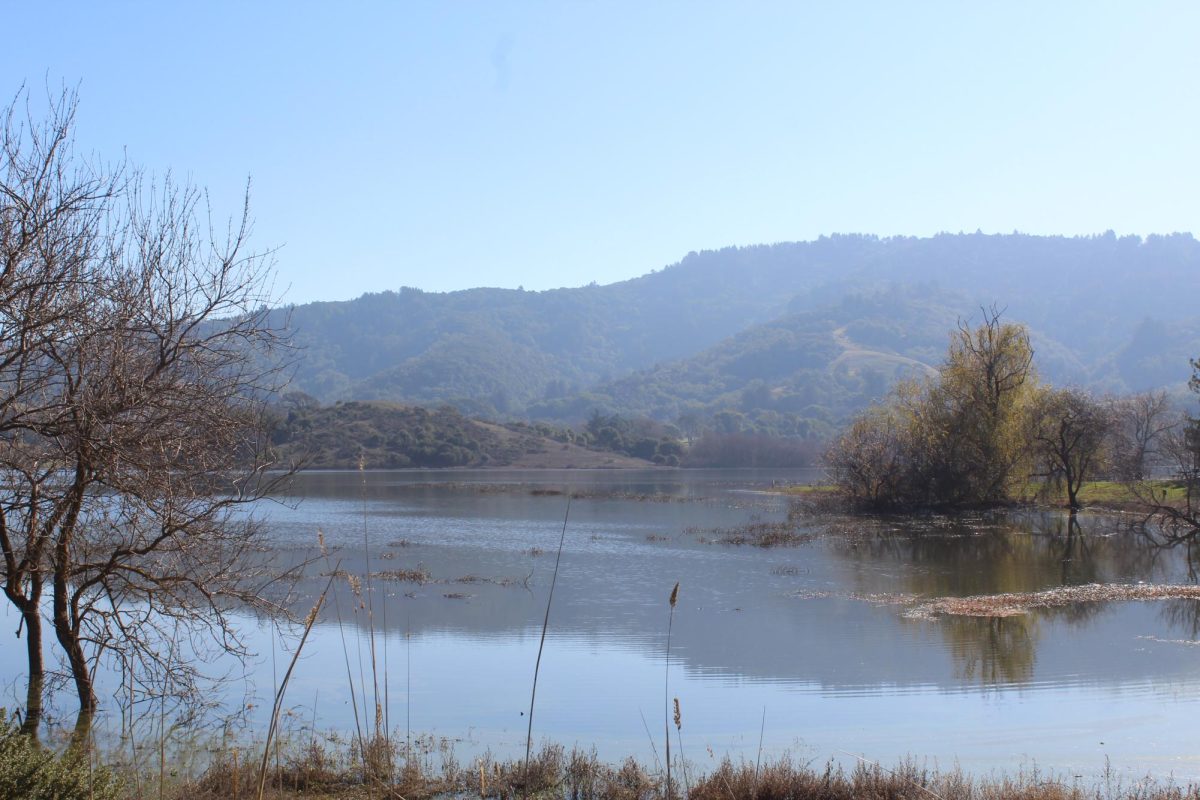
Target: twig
758,759
653,749
541,644
893,773
271,729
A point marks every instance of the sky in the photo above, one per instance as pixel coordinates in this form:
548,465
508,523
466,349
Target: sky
460,144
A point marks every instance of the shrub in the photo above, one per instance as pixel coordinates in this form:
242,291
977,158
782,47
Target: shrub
31,772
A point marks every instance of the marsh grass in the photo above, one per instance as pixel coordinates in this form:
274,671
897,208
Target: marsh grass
418,575
793,530
330,769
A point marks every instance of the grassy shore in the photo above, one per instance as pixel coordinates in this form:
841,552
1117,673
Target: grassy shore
314,771
1111,495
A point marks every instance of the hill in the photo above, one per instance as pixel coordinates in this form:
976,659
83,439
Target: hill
392,436
810,329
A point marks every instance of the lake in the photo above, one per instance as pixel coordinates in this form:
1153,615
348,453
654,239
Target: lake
811,646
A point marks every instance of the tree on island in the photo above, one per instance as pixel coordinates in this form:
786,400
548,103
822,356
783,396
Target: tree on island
1070,431
132,414
959,439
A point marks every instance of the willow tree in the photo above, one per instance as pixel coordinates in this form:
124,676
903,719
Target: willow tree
958,439
985,391
132,413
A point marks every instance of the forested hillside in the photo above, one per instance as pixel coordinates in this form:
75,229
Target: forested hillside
794,337
392,436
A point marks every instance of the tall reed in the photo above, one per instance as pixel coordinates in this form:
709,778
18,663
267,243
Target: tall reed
541,645
272,728
679,737
667,687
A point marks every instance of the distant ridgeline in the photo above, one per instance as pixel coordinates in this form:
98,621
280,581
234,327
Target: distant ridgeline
786,340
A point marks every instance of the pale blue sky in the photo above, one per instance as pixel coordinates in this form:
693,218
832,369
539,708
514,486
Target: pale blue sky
449,145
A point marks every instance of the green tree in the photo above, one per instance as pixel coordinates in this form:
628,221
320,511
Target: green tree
1069,430
980,403
959,439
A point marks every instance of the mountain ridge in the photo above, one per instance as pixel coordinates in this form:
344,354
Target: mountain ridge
1109,313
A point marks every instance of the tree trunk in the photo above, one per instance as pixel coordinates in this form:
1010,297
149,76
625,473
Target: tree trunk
36,684
68,638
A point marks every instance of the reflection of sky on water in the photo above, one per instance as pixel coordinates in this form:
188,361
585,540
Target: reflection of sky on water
833,673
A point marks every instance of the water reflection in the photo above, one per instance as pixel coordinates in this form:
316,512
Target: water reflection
1010,553
992,650
1183,617
485,551
461,564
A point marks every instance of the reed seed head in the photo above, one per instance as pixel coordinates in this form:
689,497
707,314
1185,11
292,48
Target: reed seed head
675,594
678,716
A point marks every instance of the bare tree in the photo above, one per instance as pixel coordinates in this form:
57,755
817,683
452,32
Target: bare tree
53,215
1069,433
132,413
1175,504
1140,423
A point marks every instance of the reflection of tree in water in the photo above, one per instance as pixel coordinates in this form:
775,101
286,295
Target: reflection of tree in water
1183,616
984,556
1020,553
992,650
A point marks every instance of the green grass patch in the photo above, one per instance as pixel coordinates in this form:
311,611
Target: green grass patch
1112,493
808,490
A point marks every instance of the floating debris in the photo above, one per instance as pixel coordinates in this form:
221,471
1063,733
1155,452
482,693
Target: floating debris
1013,604
417,575
1188,642
1017,603
879,599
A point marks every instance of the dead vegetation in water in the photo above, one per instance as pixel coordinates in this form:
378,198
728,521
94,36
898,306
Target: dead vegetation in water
421,576
1018,603
876,598
418,575
1013,604
791,531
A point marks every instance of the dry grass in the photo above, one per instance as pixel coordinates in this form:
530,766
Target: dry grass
782,780
418,575
316,771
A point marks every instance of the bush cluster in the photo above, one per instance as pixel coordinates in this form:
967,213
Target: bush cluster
31,772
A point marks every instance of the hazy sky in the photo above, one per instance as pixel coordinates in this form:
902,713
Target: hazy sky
449,145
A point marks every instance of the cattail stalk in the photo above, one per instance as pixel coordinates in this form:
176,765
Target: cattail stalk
667,687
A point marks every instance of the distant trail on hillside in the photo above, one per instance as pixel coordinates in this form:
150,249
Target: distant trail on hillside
852,350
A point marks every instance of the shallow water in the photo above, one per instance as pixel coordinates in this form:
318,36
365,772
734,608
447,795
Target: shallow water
770,639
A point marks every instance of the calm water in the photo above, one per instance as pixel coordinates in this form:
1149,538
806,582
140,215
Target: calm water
776,631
